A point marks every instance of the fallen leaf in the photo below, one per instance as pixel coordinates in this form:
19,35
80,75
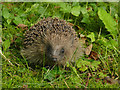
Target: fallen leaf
25,86
83,40
15,15
57,7
94,55
82,36
22,26
88,58
88,49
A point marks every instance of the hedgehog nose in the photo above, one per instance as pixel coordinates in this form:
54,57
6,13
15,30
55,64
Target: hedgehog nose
54,59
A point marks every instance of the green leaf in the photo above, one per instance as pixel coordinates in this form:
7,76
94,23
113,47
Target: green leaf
112,43
83,10
6,45
109,22
91,36
85,19
102,41
85,15
75,10
8,21
18,20
83,68
34,6
6,13
66,8
101,74
82,65
41,9
94,65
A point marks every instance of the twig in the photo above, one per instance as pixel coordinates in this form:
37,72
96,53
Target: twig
5,58
87,81
66,84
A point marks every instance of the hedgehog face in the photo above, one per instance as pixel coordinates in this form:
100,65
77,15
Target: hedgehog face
56,53
60,48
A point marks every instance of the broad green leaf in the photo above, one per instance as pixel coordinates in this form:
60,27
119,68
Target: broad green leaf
41,9
83,10
66,8
6,44
103,41
8,21
91,36
109,22
86,19
6,13
112,43
18,20
75,10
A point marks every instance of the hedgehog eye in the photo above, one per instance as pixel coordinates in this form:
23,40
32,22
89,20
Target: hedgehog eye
62,50
49,48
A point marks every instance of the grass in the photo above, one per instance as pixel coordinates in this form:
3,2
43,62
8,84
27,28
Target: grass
87,73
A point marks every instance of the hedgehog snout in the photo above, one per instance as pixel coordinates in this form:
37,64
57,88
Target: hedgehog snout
54,59
57,54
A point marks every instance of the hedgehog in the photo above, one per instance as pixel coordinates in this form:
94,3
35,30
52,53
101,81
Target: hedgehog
52,41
